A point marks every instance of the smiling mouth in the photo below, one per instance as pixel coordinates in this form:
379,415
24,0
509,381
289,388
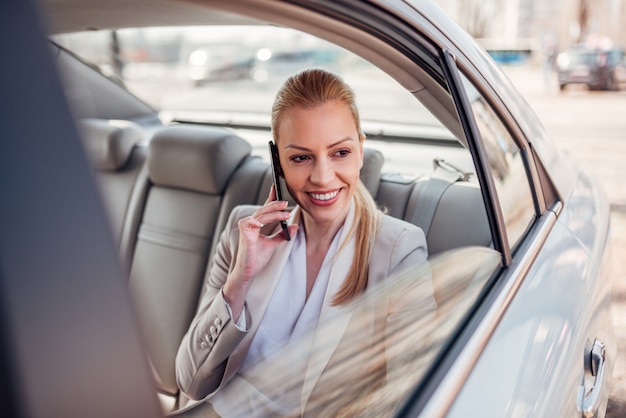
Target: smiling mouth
324,196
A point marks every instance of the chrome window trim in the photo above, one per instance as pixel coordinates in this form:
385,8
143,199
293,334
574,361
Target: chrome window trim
441,399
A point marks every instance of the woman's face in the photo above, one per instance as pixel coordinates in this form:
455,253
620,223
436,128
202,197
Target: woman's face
321,154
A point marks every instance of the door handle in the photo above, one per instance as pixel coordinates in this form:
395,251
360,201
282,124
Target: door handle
591,394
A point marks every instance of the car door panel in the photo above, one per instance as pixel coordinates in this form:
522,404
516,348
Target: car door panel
541,340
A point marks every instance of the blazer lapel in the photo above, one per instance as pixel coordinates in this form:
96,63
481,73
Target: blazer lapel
333,319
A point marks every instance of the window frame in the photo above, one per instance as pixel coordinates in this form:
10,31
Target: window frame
539,190
479,155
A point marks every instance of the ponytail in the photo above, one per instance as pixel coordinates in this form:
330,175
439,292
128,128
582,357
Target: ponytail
367,218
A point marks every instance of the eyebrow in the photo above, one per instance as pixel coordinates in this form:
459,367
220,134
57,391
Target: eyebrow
349,138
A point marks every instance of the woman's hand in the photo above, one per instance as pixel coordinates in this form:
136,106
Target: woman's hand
255,250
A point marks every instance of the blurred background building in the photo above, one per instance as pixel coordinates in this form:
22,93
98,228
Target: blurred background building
540,27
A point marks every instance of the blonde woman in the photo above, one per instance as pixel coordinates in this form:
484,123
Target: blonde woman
265,292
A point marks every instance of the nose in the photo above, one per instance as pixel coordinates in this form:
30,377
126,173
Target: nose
322,172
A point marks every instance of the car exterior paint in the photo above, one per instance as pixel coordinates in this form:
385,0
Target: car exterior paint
543,332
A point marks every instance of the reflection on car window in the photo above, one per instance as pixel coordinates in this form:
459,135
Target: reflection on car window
369,376
507,167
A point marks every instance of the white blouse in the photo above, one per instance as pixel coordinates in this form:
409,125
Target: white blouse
290,315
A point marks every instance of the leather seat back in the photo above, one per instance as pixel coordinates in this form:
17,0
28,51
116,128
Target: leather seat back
188,170
115,150
447,205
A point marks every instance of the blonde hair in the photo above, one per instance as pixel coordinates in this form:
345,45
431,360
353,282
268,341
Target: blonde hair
308,89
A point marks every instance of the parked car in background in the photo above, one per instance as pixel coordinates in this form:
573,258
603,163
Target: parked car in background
114,196
270,54
620,72
225,62
278,64
598,69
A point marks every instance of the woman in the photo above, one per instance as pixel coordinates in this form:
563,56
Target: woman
265,292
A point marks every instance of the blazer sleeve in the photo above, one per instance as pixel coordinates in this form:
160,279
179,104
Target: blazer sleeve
212,335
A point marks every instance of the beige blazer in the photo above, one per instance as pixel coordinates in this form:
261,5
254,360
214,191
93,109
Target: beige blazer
213,349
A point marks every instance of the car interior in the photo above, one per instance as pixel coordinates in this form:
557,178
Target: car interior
169,202
168,190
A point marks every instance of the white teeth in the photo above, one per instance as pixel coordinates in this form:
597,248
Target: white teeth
324,196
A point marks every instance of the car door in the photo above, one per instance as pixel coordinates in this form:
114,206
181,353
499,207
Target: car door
544,346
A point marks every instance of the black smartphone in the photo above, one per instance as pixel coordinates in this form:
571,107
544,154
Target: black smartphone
276,178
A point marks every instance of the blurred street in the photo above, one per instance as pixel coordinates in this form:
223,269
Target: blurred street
591,126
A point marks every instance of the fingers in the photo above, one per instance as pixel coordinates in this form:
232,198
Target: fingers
279,236
250,223
270,212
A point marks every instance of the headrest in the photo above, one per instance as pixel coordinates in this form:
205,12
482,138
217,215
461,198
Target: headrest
192,157
370,172
109,143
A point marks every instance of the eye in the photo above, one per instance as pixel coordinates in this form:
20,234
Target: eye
344,152
298,158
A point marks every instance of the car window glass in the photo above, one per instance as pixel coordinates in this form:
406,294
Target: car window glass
507,167
230,74
191,64
368,377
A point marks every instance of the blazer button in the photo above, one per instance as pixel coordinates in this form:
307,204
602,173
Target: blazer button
217,322
204,345
213,331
